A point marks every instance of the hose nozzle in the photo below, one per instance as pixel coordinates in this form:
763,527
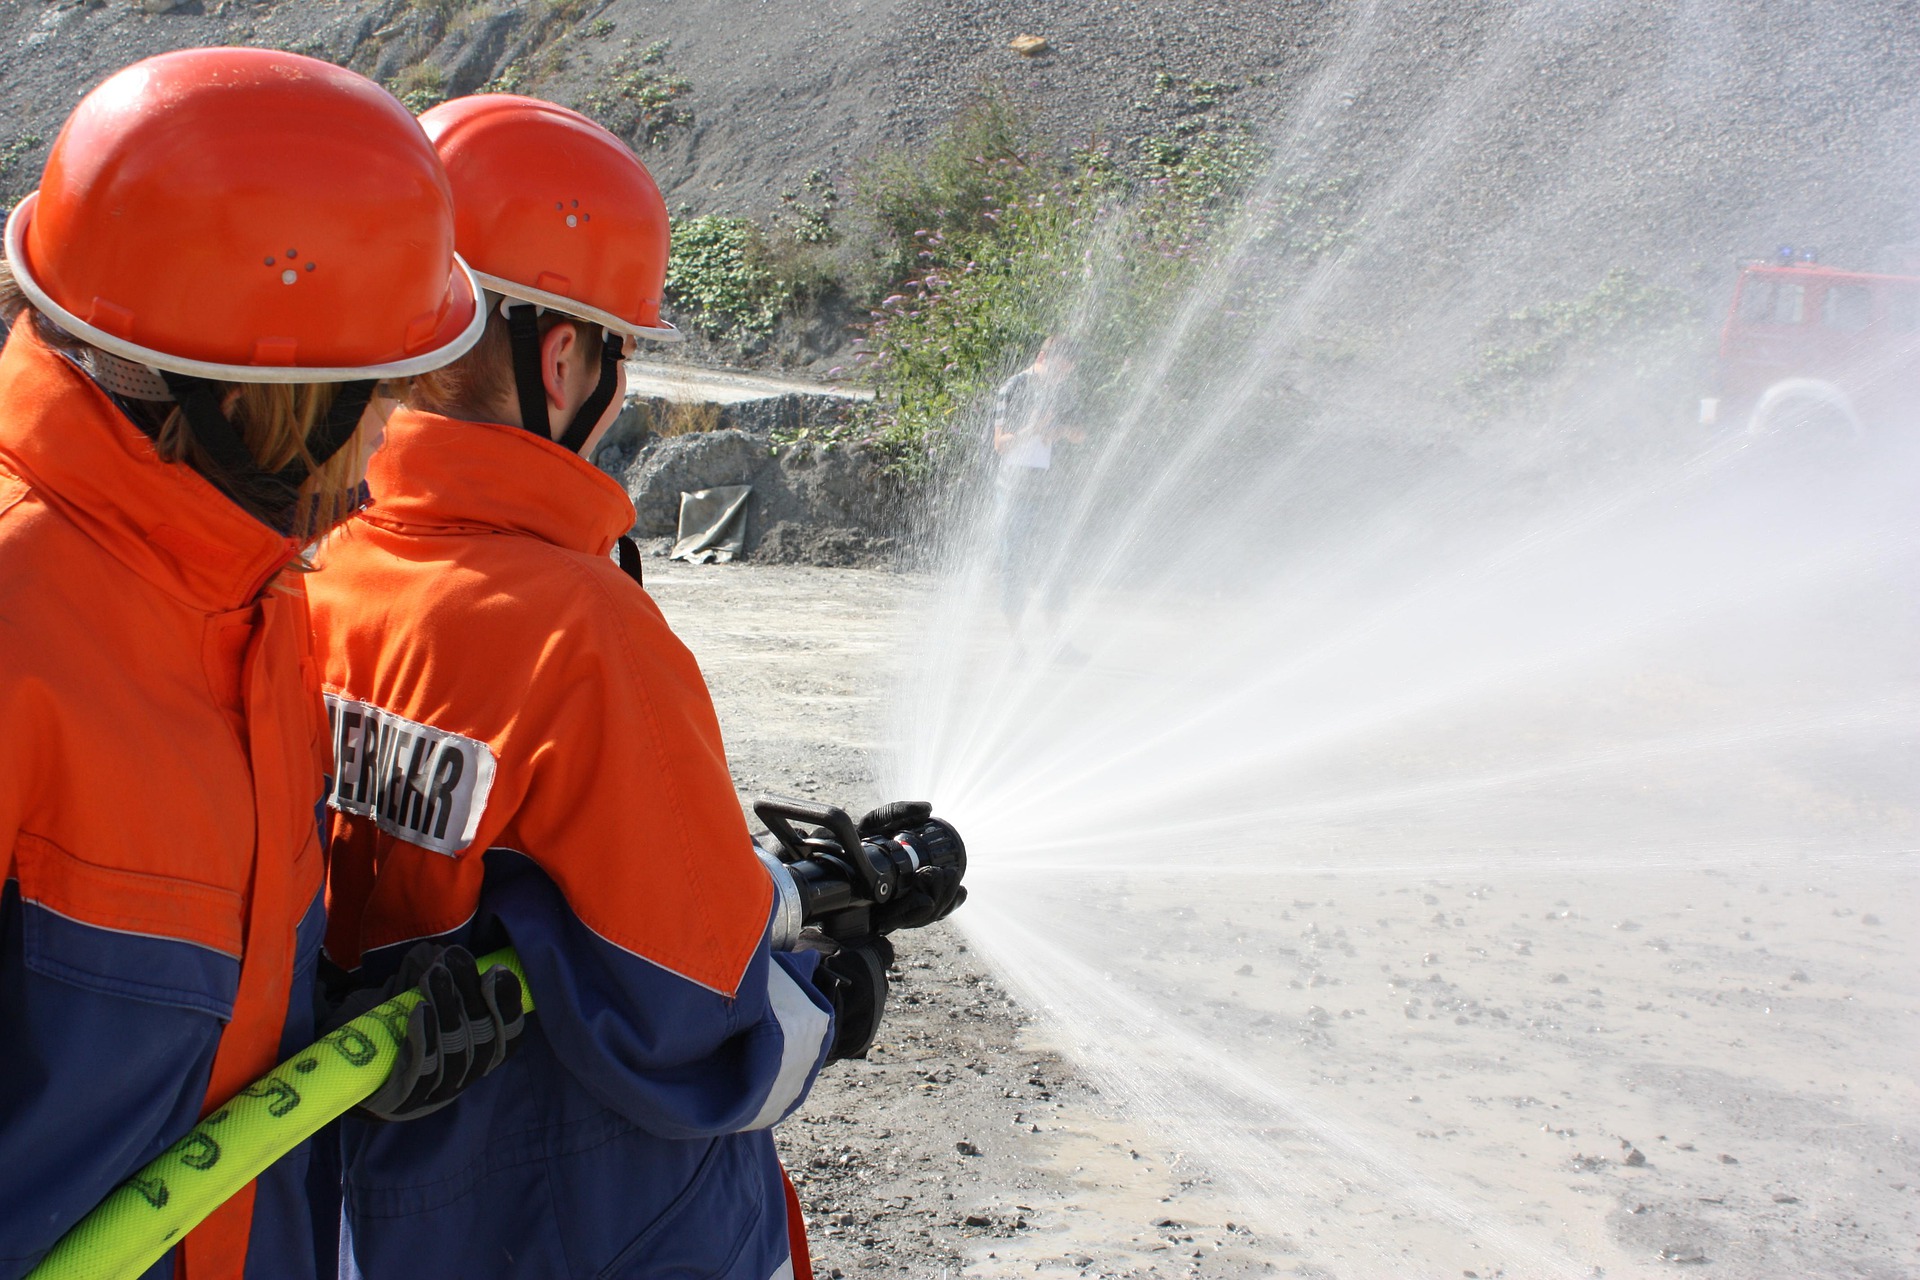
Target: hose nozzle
833,879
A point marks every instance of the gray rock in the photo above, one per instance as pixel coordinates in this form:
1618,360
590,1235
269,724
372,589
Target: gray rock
667,466
1683,1254
815,504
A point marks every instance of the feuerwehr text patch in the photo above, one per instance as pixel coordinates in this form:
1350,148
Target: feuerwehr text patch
421,784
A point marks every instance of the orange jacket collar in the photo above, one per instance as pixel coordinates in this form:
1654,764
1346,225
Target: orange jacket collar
163,520
436,472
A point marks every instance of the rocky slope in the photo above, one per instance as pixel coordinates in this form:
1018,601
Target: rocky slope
1631,131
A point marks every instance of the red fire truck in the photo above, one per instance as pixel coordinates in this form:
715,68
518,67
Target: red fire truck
1806,343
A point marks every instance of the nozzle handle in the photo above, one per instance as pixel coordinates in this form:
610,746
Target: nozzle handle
779,813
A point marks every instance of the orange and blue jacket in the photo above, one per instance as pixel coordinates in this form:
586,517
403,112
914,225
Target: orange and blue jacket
162,747
527,755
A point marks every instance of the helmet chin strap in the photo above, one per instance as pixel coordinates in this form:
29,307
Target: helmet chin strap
235,472
523,330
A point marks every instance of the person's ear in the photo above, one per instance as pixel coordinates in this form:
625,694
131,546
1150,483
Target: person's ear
559,353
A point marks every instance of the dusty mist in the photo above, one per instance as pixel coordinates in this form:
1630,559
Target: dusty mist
1481,837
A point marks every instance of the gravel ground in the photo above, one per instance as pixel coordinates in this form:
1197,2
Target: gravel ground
965,1144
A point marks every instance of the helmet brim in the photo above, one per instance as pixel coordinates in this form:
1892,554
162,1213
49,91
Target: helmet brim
574,307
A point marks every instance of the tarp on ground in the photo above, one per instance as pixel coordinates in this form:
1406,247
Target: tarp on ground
713,524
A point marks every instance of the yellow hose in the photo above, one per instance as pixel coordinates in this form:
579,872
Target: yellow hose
150,1212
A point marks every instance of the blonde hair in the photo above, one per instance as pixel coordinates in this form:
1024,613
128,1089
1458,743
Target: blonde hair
274,421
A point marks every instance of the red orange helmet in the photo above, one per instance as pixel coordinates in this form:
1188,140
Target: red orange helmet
552,209
251,216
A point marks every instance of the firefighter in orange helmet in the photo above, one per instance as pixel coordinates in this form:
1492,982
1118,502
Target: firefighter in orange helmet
529,756
228,249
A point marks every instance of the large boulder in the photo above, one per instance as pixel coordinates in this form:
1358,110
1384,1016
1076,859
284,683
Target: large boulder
834,497
664,467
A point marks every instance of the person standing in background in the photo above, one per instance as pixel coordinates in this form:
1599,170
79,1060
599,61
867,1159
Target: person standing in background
1033,415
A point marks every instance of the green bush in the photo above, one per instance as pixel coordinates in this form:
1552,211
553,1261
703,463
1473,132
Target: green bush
512,78
959,187
16,150
639,97
979,236
991,240
1622,318
717,275
420,87
738,277
967,252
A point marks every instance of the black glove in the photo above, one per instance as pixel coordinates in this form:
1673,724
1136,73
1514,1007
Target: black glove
467,1024
929,894
901,815
853,978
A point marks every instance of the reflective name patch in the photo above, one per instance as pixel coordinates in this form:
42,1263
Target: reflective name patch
422,784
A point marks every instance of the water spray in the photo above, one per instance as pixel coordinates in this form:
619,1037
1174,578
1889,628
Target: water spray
1460,789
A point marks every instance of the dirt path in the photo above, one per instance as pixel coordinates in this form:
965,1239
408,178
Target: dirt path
965,1145
698,384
